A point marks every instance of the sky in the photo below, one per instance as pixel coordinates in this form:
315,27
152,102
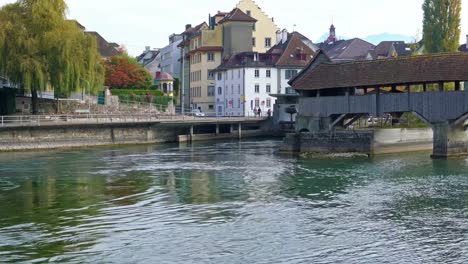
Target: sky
140,23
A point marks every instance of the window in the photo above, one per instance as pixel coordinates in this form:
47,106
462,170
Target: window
211,75
253,42
238,73
211,91
257,102
268,73
257,73
268,103
232,89
257,88
290,74
210,107
238,89
232,74
268,88
249,13
220,76
211,57
267,42
220,91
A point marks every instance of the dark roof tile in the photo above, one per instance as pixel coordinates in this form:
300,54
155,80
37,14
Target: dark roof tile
404,70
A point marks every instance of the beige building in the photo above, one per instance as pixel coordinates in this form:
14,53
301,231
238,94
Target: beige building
205,55
264,33
245,28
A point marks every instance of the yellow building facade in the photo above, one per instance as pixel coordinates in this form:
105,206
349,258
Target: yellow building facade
264,33
205,56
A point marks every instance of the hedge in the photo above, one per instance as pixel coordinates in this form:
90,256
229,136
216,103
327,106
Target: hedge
119,92
126,96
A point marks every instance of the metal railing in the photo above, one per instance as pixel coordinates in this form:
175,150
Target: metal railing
38,120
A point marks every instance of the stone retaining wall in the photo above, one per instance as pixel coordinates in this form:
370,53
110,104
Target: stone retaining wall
379,141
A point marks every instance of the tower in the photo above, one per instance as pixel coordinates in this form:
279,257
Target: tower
332,37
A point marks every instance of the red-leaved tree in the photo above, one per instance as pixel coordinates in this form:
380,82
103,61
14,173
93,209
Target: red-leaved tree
124,72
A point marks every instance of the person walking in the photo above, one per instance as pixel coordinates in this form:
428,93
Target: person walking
269,113
259,112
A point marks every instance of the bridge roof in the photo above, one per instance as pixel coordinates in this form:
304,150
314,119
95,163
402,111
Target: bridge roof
321,73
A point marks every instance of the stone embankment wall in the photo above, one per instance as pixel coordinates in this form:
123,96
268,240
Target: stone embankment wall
402,140
379,141
85,135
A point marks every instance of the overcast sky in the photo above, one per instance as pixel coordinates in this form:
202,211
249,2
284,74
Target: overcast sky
140,23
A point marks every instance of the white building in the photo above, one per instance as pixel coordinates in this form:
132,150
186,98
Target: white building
248,81
171,57
150,59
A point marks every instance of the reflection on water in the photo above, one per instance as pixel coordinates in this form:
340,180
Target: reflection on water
230,203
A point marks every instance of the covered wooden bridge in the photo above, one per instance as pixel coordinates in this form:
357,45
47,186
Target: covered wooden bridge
431,86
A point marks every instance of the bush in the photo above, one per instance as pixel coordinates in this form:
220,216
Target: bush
157,97
139,92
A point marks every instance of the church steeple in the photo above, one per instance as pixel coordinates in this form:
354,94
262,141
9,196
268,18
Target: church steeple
332,37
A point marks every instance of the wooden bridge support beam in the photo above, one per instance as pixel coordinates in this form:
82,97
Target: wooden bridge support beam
240,130
441,86
457,86
449,141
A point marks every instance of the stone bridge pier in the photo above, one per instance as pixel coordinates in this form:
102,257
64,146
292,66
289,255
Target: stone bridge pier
449,140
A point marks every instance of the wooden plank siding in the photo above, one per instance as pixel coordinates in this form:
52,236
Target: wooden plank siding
434,106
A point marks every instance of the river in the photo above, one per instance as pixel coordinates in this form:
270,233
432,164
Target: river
230,202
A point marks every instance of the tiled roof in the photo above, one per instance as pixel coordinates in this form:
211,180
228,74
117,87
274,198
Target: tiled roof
404,70
105,48
383,49
145,61
195,29
238,16
402,49
348,50
163,76
78,24
294,52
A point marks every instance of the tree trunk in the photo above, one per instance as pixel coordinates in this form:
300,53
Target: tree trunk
34,101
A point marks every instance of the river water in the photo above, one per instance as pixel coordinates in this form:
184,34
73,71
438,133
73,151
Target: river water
230,202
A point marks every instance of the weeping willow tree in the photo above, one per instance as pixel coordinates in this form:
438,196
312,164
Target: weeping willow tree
41,50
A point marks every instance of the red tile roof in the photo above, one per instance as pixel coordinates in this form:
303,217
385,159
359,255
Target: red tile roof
404,70
294,52
238,16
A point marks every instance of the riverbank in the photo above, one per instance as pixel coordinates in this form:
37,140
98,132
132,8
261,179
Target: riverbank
57,136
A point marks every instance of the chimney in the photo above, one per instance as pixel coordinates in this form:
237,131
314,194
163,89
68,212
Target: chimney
147,48
284,36
188,26
278,37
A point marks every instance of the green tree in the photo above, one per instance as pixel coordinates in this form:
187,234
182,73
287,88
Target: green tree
124,72
441,25
40,50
